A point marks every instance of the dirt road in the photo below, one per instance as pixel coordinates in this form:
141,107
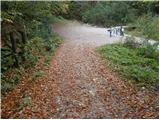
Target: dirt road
78,85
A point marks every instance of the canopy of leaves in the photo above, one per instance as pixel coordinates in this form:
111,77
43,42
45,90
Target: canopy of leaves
110,13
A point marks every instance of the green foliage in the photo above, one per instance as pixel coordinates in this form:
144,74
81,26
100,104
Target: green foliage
38,74
33,49
35,22
57,40
26,102
53,42
107,14
9,83
145,48
143,7
146,26
143,70
95,15
77,8
149,51
111,13
6,62
47,61
6,87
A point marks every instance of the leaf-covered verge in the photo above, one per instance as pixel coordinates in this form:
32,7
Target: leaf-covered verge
37,51
26,37
136,65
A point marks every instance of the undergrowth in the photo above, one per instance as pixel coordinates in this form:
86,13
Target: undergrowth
35,49
138,65
145,26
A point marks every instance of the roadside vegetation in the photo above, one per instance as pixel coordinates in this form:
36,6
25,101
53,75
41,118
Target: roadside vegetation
73,83
27,38
145,26
27,34
136,63
36,50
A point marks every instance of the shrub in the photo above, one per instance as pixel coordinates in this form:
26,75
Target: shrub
107,14
33,49
53,42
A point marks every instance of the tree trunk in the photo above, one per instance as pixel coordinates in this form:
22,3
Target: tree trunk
13,42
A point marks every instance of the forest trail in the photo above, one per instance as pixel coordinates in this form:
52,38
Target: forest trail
78,85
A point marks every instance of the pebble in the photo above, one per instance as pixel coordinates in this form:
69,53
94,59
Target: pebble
92,93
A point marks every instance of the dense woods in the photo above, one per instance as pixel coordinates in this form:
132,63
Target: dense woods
111,13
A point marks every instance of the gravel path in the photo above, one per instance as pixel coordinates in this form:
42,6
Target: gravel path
78,85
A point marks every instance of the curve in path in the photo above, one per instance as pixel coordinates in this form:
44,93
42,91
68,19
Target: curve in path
80,86
87,85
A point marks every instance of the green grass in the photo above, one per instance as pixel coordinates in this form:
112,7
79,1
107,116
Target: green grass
130,64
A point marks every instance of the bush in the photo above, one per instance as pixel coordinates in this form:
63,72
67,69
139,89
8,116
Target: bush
107,14
33,49
53,42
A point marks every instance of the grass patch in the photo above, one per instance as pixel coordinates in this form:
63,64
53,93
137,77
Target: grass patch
131,64
26,102
38,74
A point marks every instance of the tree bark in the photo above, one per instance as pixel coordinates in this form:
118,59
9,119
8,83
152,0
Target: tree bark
13,42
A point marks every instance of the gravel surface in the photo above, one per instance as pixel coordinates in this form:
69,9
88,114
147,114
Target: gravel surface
77,84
